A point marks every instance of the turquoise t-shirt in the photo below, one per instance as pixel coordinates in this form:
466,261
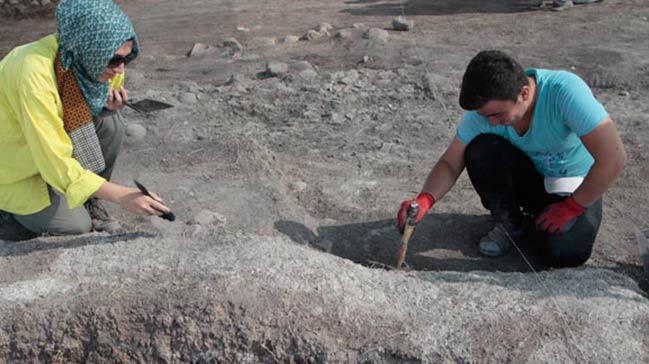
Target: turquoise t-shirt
565,110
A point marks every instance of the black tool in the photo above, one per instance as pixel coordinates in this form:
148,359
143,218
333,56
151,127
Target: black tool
148,105
165,215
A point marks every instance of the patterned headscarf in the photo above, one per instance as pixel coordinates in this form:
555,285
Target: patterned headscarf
90,32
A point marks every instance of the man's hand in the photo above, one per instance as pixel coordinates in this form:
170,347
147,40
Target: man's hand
117,99
559,217
425,201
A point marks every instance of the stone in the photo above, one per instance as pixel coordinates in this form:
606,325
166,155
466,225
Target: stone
187,98
135,132
302,65
276,68
308,74
376,35
402,24
323,27
290,39
350,77
343,34
258,42
232,44
360,26
200,49
206,217
311,35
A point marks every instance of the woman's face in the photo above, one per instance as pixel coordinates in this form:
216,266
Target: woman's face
111,71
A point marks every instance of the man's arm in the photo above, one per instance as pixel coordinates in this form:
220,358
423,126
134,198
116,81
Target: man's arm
606,147
446,171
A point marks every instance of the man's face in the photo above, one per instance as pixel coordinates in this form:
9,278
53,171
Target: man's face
110,71
503,112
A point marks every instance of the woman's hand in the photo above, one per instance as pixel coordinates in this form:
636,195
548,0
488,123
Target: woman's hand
131,199
117,99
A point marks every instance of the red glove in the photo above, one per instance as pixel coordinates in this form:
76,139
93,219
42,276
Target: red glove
559,217
425,201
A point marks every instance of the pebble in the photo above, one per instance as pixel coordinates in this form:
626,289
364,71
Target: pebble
624,93
232,44
276,68
207,217
359,26
187,98
135,132
343,34
302,65
323,27
376,35
200,49
261,42
402,24
311,35
290,39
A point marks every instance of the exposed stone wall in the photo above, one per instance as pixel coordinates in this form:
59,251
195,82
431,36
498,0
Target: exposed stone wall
26,8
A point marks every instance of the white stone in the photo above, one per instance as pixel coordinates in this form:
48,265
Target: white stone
187,98
207,217
135,132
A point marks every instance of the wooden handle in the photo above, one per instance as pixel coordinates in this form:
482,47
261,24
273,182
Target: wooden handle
401,253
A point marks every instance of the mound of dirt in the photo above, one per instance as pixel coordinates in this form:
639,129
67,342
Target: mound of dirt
248,298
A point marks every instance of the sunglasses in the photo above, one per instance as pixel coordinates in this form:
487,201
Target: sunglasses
118,60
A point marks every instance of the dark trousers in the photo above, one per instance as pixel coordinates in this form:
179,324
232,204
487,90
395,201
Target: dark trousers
58,218
510,187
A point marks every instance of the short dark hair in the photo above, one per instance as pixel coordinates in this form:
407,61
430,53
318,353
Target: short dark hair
491,75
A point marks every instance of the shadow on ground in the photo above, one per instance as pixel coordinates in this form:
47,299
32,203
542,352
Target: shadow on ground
441,242
16,248
436,7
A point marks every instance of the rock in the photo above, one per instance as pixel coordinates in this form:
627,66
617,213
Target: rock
343,34
624,93
187,98
200,49
360,26
350,77
402,24
188,86
323,27
308,74
258,42
302,65
298,186
276,68
207,217
311,35
376,35
243,29
290,39
232,44
135,132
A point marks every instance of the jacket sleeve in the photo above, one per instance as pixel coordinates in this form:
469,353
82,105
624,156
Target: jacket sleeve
36,105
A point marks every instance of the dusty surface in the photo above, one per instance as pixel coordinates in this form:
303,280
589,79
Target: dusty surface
321,156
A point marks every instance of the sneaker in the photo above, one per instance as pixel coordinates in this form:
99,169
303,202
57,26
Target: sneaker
498,241
101,219
562,6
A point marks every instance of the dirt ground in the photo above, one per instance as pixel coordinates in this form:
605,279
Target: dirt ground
324,153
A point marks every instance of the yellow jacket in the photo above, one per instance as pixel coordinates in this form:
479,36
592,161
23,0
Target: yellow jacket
35,150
